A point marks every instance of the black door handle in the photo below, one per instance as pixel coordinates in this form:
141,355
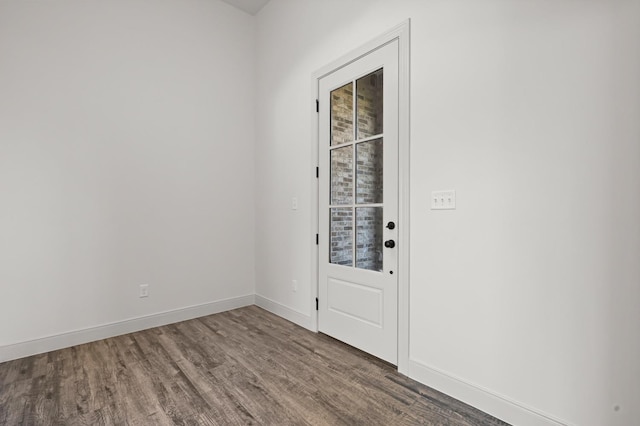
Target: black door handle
389,244
391,225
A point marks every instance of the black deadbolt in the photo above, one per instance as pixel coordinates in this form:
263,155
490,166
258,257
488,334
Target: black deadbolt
389,244
391,225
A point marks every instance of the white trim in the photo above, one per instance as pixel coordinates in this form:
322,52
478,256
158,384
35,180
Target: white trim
483,399
497,405
285,312
402,33
400,30
315,162
404,135
104,331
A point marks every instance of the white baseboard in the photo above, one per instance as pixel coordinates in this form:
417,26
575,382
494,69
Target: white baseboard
78,337
483,399
285,312
499,406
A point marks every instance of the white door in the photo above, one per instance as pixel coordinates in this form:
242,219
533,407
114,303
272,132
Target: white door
358,203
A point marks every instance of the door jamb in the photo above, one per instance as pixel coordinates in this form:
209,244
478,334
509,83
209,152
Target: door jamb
401,33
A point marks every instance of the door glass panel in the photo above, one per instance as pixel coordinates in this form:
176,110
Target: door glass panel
342,115
341,241
369,172
369,238
370,104
342,175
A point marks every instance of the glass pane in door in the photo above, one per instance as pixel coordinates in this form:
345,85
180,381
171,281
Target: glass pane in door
369,104
369,238
341,236
342,115
369,172
342,175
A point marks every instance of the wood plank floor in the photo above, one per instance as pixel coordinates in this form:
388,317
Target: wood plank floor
245,366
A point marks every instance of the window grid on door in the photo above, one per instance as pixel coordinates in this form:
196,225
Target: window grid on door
355,149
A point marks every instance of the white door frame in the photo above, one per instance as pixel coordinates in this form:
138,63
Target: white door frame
401,33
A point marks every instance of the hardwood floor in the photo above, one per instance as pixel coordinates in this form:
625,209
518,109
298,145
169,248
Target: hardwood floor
245,366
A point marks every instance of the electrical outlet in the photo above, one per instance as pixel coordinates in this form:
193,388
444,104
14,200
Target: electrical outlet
294,203
294,285
144,290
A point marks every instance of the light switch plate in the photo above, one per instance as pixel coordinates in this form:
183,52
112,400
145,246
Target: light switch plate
144,290
443,200
294,203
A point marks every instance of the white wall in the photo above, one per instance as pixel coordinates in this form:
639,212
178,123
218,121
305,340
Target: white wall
121,123
529,291
126,157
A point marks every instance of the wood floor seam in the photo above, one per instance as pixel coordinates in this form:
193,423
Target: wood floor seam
240,367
